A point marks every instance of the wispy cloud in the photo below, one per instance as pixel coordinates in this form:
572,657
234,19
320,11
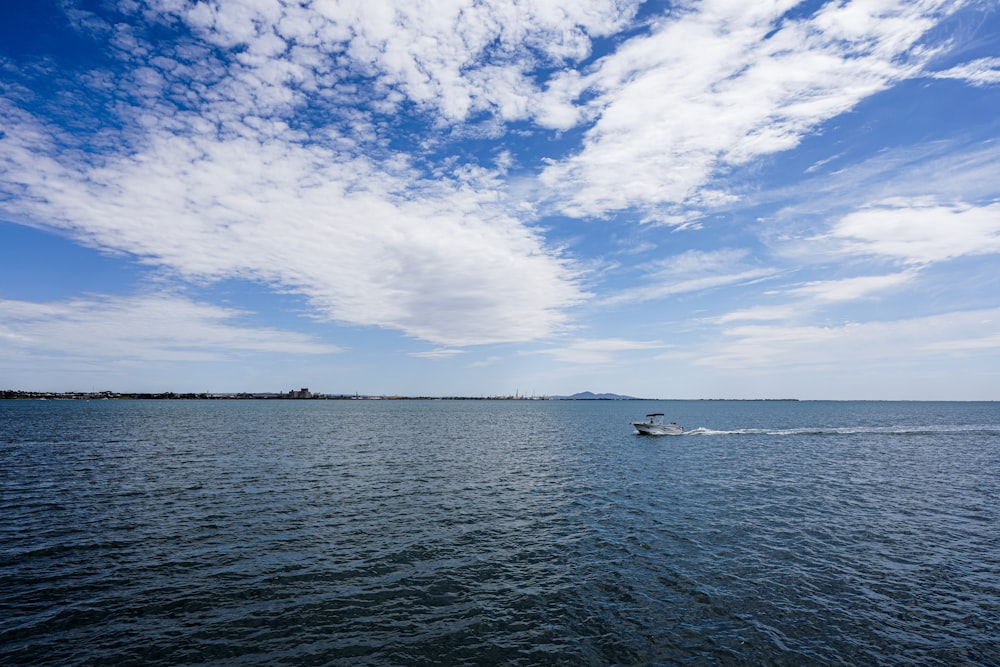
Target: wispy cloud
982,72
600,350
150,328
851,289
947,172
719,85
804,301
439,353
692,271
855,345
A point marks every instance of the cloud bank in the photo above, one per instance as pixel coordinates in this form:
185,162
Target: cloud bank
403,165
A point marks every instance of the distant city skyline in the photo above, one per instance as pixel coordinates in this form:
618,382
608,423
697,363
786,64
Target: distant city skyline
659,199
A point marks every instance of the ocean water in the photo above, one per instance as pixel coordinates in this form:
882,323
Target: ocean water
498,533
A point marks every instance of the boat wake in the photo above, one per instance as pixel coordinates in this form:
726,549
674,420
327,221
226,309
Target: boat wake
853,430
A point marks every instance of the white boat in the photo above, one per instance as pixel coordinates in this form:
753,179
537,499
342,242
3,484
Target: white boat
654,425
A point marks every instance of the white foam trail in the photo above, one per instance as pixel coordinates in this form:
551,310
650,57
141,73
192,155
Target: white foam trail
850,430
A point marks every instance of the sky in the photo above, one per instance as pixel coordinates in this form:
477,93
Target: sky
715,199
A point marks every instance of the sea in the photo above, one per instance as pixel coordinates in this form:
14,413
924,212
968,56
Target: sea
481,532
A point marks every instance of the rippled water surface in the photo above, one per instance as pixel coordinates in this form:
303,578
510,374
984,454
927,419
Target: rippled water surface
512,533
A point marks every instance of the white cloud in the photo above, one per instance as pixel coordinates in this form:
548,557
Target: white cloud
212,179
692,271
438,353
147,328
439,261
433,51
920,232
811,297
761,314
912,205
216,177
600,350
988,340
982,72
851,289
854,345
954,170
723,84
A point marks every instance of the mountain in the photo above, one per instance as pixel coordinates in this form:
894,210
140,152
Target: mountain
591,396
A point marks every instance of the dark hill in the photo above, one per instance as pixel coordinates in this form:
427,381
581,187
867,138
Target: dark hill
591,396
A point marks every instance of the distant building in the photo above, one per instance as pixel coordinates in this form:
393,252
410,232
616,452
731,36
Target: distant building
301,393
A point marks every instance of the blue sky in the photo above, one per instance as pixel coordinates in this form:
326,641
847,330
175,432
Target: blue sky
712,199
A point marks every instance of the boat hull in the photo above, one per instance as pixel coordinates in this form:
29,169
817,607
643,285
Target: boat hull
647,428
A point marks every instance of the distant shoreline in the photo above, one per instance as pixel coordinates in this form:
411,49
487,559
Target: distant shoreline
242,396
14,394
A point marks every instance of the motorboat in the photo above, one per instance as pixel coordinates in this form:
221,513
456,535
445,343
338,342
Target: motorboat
654,425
